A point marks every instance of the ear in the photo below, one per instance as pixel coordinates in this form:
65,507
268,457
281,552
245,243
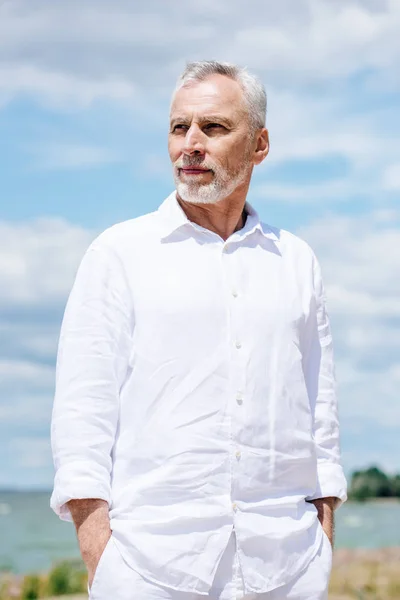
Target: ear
262,147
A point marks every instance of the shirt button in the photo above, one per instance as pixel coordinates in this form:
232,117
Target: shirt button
234,293
239,398
234,506
238,454
238,344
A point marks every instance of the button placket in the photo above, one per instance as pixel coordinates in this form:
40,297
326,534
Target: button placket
234,297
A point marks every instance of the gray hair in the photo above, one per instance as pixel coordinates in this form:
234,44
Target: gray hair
253,90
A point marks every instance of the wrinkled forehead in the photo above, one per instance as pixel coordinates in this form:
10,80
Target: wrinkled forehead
216,95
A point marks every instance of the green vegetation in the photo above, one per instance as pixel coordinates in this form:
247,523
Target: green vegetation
373,483
65,578
31,587
356,575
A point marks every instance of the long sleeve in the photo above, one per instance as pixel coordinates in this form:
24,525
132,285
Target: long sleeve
92,363
319,370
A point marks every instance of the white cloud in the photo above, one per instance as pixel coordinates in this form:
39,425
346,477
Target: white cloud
58,89
34,376
63,156
391,177
95,50
338,190
360,260
305,128
69,56
38,260
360,264
326,41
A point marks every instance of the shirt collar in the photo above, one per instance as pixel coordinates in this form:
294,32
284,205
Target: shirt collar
173,217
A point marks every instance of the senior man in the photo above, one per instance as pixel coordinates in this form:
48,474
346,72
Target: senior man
195,429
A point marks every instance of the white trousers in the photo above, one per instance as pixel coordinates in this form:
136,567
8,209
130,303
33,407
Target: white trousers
114,579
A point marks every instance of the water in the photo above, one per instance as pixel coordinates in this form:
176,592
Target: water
32,537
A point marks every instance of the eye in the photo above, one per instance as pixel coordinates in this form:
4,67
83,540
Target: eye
180,126
213,125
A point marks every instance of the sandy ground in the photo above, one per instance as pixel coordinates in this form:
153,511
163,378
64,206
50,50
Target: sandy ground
358,574
366,575
81,597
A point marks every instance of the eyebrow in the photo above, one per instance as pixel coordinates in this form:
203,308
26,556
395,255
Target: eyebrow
204,120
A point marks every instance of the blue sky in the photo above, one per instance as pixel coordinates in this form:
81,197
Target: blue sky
84,103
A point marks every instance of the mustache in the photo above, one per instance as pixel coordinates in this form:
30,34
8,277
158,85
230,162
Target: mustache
193,162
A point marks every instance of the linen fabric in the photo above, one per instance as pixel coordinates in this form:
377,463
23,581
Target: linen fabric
195,393
115,579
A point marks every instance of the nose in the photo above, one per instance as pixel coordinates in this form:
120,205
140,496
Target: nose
193,141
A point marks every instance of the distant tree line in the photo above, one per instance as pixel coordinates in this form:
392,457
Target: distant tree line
373,483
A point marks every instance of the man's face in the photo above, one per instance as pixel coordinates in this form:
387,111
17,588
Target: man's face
210,142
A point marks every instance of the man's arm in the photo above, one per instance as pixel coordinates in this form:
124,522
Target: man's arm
92,362
92,524
319,371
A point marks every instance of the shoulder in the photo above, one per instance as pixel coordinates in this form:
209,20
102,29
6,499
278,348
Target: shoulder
126,236
289,244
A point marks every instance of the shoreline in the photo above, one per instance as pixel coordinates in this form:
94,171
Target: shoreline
358,572
391,500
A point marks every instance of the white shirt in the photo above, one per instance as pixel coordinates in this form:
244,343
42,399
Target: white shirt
195,393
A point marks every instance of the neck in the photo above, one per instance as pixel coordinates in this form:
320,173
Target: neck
223,218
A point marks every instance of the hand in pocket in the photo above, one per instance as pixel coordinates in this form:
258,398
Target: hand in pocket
93,564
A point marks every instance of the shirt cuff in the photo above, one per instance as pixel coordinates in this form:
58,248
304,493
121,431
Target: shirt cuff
331,482
75,482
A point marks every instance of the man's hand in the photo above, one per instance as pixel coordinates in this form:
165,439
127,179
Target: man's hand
92,525
93,559
325,507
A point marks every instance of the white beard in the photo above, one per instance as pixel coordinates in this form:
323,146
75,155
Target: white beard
209,193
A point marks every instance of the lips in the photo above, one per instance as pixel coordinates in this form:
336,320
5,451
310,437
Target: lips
194,170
